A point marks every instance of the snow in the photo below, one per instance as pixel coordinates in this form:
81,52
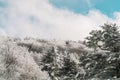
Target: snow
21,59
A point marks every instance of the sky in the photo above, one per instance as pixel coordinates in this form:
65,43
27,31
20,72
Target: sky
107,7
56,19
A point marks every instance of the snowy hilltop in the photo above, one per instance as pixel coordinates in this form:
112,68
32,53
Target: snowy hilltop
26,59
39,59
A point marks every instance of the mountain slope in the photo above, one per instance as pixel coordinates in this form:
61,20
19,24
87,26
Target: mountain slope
38,59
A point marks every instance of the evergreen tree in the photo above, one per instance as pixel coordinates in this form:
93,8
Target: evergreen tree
93,40
111,37
48,62
69,69
106,39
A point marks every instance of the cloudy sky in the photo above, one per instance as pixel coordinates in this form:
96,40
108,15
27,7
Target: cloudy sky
56,19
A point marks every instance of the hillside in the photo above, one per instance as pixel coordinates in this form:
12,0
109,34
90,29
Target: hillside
38,59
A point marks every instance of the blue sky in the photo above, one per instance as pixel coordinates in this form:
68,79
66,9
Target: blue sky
107,7
56,19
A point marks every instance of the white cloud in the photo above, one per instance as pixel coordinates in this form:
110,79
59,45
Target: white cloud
38,18
2,32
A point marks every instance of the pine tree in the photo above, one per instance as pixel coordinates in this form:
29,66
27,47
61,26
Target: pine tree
48,62
106,39
93,40
111,37
69,69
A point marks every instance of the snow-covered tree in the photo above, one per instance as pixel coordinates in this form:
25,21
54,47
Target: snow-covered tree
69,69
108,38
94,39
111,37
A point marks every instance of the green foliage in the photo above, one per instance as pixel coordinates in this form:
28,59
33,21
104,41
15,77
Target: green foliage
111,37
69,69
94,39
101,65
48,62
106,39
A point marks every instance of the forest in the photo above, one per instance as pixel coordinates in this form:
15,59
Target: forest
95,58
